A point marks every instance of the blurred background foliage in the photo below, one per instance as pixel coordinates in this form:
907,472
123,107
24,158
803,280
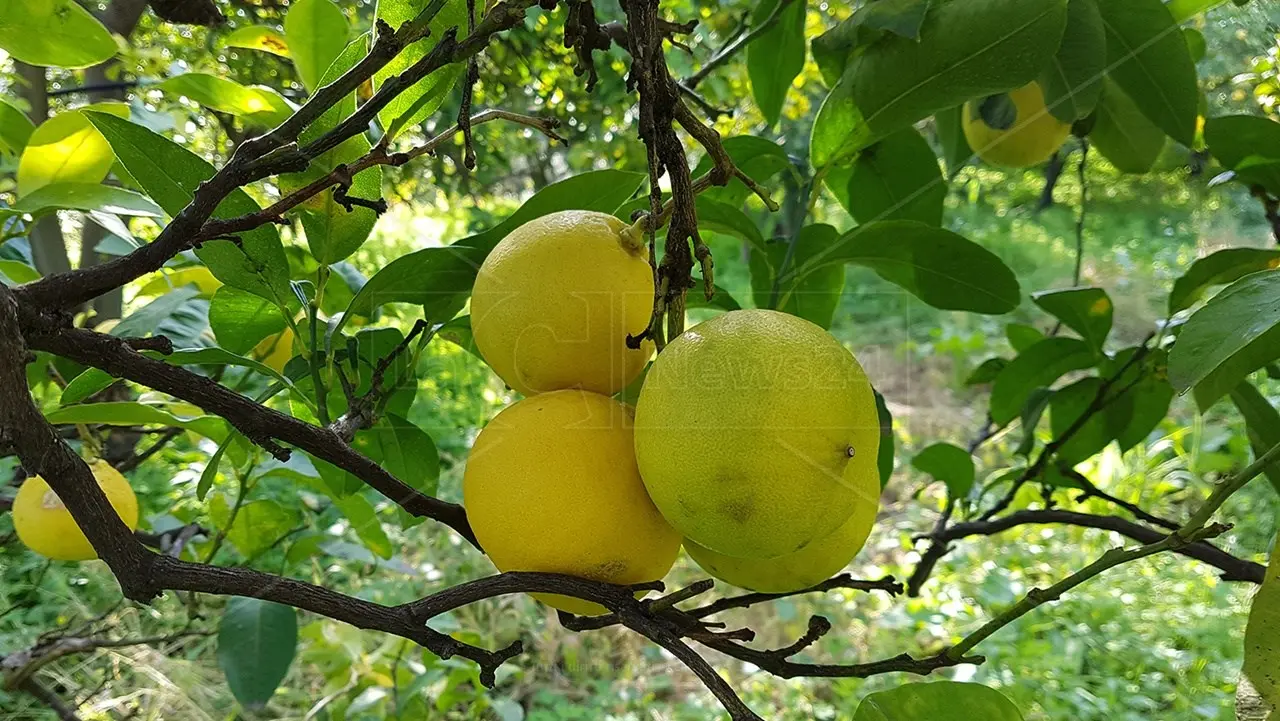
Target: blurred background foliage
1159,639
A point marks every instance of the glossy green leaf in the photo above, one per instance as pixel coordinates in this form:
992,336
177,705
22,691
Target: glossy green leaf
814,295
949,126
986,371
1022,336
1032,411
1146,399
14,272
258,525
1233,335
937,701
1236,140
147,319
258,105
948,463
760,158
54,33
222,357
15,128
937,266
1122,134
1262,637
724,218
317,31
87,197
67,149
1183,10
832,49
257,641
1220,268
965,50
1087,311
130,413
1262,423
776,56
88,383
1148,58
897,178
884,457
458,332
405,450
258,37
364,521
241,320
210,472
437,278
1036,367
1072,82
424,98
170,174
1065,409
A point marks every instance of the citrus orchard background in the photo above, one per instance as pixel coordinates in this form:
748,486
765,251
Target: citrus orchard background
1161,638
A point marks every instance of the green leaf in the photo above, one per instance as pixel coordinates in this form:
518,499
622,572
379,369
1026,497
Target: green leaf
935,701
1086,311
67,149
1066,407
965,50
364,521
15,128
776,56
258,105
130,413
759,158
170,174
424,98
832,49
241,320
458,332
87,197
405,450
1072,82
1037,402
1183,10
813,296
986,371
1233,335
1149,59
88,383
258,37
1262,422
1146,402
257,641
722,299
258,525
147,319
1123,134
1237,139
13,272
1036,367
956,153
1262,637
436,278
948,463
937,266
724,218
1022,336
223,357
884,457
1196,43
897,178
210,472
1220,268
317,31
54,33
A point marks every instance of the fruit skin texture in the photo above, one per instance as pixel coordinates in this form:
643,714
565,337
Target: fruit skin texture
745,429
554,302
46,527
1032,139
809,566
551,485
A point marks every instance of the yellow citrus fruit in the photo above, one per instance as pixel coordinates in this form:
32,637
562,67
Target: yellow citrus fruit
752,431
1033,136
276,351
197,275
45,525
554,302
812,564
551,485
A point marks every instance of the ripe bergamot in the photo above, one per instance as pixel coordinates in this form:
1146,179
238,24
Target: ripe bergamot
46,527
809,566
554,302
551,485
1032,134
753,431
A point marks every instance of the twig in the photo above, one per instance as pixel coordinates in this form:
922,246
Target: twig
60,708
738,43
887,584
156,446
1084,209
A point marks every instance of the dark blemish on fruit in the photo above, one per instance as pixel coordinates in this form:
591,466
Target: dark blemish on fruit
738,510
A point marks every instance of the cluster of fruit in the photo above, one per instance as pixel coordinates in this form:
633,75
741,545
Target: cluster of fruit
753,442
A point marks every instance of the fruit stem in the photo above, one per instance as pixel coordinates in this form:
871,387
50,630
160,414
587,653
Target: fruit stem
632,236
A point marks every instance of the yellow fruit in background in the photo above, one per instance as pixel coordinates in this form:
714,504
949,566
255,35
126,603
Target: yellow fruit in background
276,351
551,485
197,275
752,432
46,527
1032,137
812,564
554,302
